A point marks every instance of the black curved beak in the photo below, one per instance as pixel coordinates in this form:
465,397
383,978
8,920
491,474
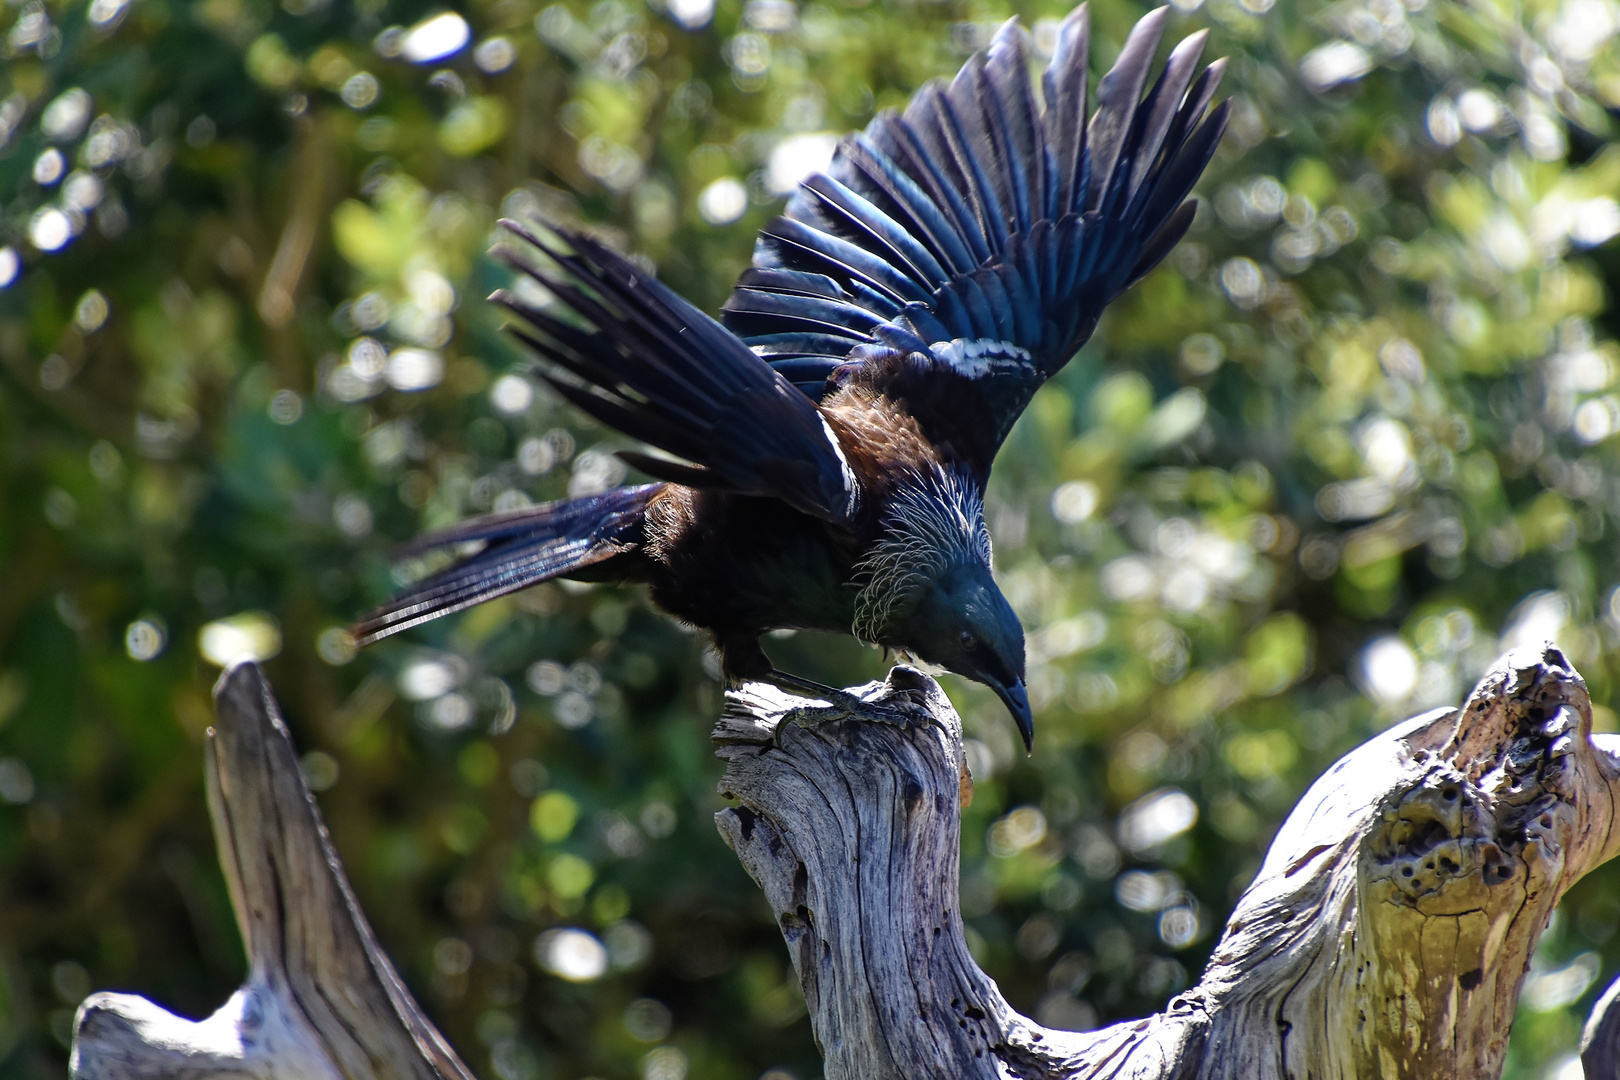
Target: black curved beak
1017,702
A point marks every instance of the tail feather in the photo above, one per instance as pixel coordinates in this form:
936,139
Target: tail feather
520,549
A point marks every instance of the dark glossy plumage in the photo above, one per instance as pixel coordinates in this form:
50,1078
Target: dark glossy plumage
836,432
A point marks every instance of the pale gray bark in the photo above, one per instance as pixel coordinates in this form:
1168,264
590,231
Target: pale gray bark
1387,933
321,1001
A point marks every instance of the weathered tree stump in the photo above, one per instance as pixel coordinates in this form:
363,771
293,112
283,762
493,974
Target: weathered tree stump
1387,933
321,1001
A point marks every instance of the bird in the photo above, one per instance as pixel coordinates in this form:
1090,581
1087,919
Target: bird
825,444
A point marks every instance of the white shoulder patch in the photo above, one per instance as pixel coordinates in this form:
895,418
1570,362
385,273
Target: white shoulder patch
974,358
851,490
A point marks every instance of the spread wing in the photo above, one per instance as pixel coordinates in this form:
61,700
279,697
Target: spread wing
656,368
956,256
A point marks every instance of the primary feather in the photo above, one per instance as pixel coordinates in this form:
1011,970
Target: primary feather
956,256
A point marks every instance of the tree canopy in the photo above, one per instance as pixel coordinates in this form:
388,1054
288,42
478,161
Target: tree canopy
1354,438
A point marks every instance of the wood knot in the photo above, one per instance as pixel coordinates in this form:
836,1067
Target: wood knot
1437,834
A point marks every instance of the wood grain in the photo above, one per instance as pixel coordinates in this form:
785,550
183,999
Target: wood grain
321,1001
1387,933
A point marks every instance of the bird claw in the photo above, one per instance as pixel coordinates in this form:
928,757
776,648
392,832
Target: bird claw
844,707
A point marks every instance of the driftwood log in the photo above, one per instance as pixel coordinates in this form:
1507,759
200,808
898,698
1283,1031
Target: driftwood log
1387,933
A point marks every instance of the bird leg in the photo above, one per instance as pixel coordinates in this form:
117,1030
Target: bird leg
742,660
842,705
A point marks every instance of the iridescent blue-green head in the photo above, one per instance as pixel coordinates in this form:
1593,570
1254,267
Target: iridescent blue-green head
926,589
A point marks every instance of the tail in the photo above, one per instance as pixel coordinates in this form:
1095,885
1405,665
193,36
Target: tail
521,548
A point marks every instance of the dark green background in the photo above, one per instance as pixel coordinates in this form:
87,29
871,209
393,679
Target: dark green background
1363,412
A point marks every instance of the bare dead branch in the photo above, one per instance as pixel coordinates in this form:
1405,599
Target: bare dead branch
1387,933
321,1001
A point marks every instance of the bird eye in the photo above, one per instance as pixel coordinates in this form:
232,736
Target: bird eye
968,641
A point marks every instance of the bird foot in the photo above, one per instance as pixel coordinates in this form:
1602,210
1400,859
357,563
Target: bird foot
844,707
841,705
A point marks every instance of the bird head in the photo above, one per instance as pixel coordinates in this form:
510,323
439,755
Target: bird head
962,623
925,588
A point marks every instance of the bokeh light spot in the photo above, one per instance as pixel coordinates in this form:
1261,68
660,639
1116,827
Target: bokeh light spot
65,117
572,954
1155,819
50,229
435,38
145,638
723,201
251,635
1389,670
494,55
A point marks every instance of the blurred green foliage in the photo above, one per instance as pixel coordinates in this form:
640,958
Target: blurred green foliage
1356,437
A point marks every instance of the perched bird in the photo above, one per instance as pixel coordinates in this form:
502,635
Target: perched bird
836,429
